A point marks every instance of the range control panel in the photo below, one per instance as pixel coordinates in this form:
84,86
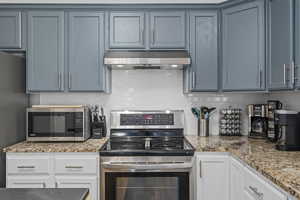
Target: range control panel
147,119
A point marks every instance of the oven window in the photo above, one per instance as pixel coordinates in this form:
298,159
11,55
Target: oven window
147,186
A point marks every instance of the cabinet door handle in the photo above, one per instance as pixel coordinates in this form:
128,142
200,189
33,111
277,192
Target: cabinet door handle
193,80
284,74
26,167
200,169
73,167
296,75
143,35
259,195
153,36
293,73
59,80
260,76
70,80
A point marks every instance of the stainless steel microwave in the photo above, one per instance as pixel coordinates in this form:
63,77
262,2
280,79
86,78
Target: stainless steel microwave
58,123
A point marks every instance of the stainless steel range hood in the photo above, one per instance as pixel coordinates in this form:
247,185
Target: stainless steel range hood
147,59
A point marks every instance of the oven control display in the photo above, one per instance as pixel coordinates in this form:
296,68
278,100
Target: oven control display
146,119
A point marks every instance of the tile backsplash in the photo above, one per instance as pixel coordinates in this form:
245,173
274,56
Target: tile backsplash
290,99
154,90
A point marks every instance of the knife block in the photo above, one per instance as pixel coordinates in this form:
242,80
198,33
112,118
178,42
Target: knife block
98,128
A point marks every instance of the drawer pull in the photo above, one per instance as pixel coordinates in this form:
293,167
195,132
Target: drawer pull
73,167
25,167
259,195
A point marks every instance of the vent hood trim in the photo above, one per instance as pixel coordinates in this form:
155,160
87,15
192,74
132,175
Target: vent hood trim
129,59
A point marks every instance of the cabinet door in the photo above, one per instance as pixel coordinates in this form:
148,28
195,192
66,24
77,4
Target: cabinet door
260,188
236,180
86,51
243,47
45,55
10,31
204,51
168,30
212,177
127,30
28,182
297,44
79,182
280,44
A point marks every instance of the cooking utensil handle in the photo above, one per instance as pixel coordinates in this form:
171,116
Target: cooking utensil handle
102,111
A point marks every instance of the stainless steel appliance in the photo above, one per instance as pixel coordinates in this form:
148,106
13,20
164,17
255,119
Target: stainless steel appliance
272,127
146,157
13,104
257,120
58,123
289,129
147,59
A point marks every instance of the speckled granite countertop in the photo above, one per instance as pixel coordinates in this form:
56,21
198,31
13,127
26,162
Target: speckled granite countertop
282,168
91,145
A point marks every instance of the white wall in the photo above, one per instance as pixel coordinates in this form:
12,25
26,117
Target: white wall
154,89
112,1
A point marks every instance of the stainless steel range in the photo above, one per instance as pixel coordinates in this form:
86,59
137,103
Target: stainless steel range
146,157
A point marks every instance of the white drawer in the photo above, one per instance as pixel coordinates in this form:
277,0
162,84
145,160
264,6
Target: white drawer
260,188
28,164
65,165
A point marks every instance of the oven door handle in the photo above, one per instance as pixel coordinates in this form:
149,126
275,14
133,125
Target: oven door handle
143,167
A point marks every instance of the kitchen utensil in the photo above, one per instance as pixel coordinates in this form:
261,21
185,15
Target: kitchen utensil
203,121
196,112
98,123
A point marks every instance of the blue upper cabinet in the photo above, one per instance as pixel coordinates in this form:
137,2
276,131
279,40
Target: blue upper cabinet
86,50
167,30
281,44
204,51
127,30
10,30
243,47
297,45
45,54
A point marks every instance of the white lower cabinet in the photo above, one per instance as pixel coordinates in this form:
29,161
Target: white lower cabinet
246,184
220,176
79,182
236,180
28,182
54,170
260,189
212,177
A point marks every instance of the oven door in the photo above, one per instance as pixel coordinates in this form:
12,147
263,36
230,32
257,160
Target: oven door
54,126
146,181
